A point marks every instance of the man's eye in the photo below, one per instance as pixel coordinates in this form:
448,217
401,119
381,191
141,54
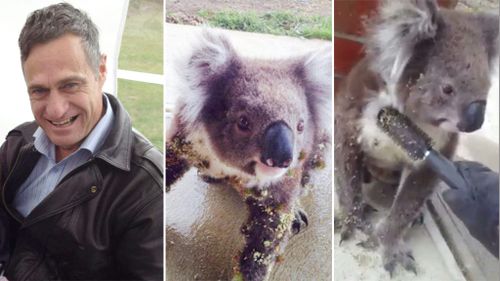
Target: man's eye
38,91
70,86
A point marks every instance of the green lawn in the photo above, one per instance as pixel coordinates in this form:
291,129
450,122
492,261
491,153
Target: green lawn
142,41
144,103
142,50
277,23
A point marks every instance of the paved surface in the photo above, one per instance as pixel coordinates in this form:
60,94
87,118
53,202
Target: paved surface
353,263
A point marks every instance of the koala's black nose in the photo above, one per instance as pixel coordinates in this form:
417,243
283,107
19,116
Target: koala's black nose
277,145
472,116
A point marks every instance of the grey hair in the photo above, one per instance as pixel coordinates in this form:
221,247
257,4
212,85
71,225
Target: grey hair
56,20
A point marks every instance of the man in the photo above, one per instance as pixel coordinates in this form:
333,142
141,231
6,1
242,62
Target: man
81,191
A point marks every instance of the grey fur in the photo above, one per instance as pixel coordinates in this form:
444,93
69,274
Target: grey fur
414,52
220,87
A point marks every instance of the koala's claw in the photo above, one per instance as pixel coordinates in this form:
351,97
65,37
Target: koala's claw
369,209
370,243
418,221
211,180
406,260
299,222
352,222
346,231
337,224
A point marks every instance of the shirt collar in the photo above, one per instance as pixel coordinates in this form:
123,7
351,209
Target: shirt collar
92,142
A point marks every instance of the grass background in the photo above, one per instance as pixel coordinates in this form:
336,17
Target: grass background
277,23
147,113
142,40
142,50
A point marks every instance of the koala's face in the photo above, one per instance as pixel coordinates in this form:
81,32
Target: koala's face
451,88
441,60
261,117
258,120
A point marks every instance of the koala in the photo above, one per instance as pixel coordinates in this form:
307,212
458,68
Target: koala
258,125
431,64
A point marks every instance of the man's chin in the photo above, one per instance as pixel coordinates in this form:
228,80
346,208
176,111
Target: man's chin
66,143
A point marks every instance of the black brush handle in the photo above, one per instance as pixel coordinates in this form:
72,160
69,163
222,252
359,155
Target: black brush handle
446,170
417,144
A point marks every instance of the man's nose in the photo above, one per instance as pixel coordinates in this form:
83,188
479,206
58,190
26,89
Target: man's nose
472,116
56,106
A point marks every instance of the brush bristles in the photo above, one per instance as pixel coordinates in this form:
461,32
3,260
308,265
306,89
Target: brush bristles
404,132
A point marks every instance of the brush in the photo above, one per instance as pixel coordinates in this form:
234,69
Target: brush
418,145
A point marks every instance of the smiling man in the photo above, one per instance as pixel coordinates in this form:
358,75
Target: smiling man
81,192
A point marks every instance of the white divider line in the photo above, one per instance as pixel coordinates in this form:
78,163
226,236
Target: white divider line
140,76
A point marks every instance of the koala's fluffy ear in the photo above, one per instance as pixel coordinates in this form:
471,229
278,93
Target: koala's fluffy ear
489,24
315,70
399,26
212,57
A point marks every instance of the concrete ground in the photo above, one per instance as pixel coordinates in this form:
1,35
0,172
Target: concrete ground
203,221
433,258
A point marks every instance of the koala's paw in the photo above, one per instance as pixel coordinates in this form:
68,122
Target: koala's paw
346,231
370,243
350,224
210,180
395,255
300,222
354,221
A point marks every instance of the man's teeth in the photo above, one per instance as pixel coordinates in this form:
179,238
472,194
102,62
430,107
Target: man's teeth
63,122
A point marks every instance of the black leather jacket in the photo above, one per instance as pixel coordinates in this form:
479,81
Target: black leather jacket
103,221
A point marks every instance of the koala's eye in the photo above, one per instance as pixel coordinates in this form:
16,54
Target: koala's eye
243,124
447,90
300,126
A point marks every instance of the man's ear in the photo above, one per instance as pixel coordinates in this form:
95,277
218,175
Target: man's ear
102,69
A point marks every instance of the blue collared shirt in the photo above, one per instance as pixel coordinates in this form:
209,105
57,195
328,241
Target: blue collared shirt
48,173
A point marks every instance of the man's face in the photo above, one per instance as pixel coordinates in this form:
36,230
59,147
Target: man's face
65,94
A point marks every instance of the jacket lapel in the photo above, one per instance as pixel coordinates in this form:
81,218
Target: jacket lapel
23,165
80,185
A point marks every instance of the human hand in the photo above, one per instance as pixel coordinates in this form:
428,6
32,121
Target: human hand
477,205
